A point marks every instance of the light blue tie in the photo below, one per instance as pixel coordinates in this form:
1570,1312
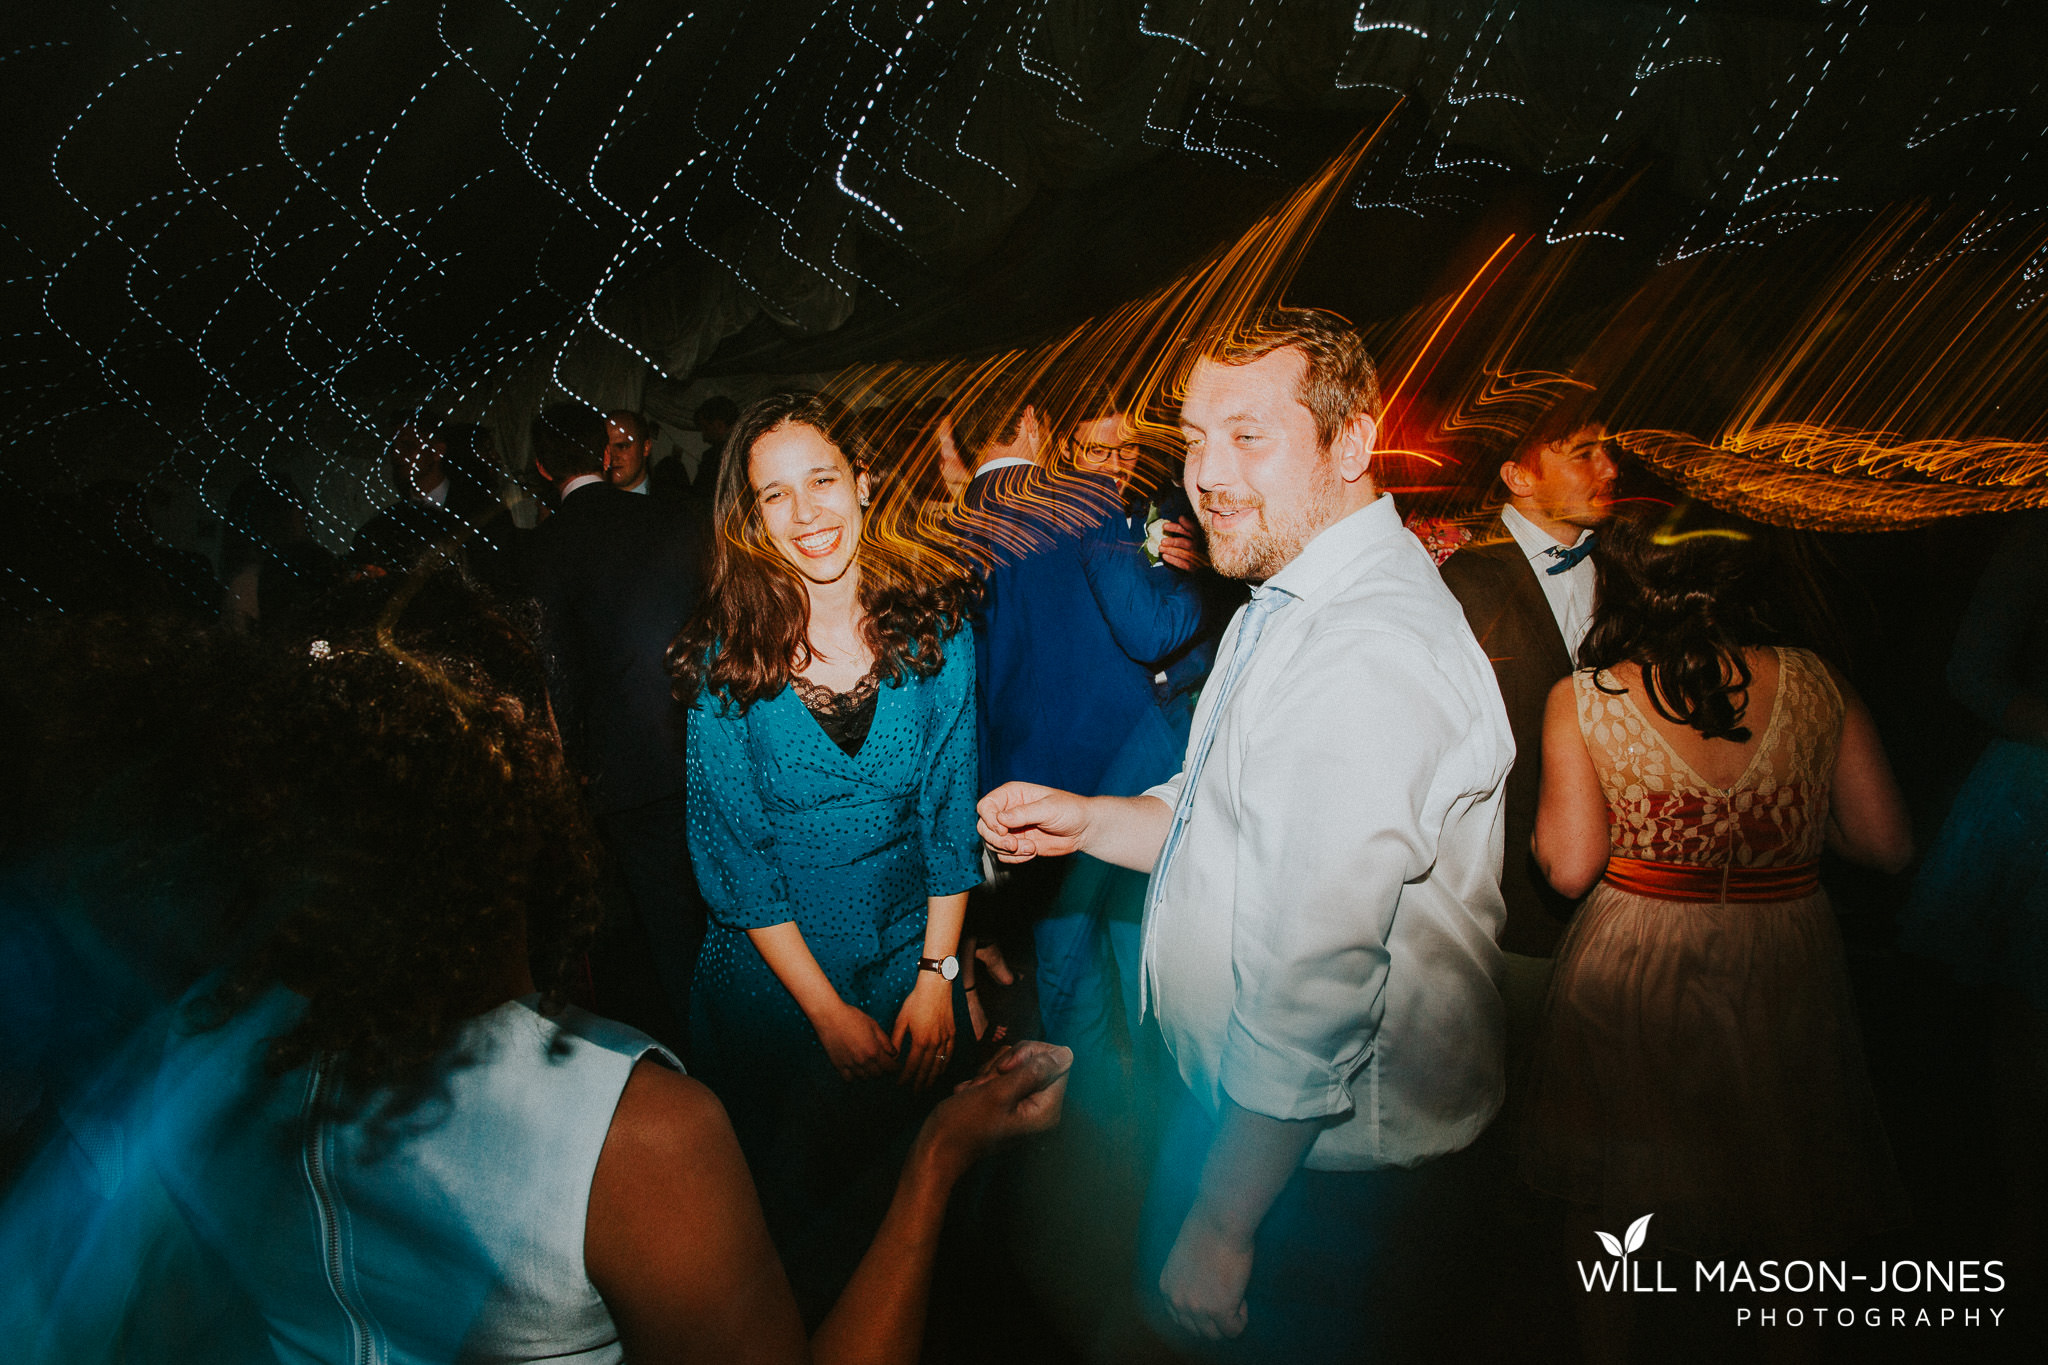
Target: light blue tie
1266,599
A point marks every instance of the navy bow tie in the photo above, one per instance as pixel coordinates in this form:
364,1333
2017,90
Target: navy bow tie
1567,558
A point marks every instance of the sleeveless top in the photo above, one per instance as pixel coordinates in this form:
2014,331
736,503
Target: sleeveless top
453,1231
1660,810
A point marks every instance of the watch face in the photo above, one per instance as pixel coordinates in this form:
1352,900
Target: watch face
949,966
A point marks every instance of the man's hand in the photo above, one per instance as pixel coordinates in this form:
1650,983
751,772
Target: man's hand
1018,1091
1022,821
1180,545
1204,1280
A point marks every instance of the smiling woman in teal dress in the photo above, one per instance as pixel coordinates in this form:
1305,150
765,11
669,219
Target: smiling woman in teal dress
831,793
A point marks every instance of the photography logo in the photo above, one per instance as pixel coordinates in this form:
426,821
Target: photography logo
1816,1293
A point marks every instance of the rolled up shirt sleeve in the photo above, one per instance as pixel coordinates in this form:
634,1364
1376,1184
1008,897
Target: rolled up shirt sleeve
1169,791
1345,787
731,841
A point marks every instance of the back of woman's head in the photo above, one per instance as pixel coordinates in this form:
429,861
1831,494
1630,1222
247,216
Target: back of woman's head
1683,591
415,824
373,813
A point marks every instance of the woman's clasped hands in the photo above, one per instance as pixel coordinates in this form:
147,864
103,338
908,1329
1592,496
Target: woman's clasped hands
916,1051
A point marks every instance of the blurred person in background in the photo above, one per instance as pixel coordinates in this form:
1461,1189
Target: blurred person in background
1526,582
715,417
615,576
1980,904
272,564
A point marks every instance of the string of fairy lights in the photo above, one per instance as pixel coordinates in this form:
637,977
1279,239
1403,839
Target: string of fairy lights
243,236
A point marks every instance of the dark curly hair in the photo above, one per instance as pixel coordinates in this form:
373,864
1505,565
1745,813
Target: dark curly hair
750,633
373,813
1683,592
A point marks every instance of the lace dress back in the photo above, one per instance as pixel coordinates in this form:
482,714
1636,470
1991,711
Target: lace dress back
1660,810
1700,1059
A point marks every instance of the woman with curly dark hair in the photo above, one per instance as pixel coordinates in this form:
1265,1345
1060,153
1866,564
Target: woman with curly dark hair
396,1145
1699,1057
832,770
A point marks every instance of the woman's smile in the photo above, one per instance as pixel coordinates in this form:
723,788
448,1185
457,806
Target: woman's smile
818,544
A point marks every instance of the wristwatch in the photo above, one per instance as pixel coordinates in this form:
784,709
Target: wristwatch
947,966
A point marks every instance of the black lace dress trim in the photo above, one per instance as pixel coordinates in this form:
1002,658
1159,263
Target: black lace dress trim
843,716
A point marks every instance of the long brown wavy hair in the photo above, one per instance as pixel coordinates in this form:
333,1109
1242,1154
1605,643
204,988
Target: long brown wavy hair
751,632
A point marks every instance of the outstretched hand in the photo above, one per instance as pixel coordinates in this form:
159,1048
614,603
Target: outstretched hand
1019,1091
1022,821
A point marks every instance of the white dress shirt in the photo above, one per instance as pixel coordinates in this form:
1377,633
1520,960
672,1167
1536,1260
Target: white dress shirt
1003,462
1323,940
1570,594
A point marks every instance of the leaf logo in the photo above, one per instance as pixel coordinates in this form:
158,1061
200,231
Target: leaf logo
1632,1240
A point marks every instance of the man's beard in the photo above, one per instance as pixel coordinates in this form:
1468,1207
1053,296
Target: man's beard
1256,555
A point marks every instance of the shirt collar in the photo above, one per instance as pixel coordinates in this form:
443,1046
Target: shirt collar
1337,545
1004,462
580,481
1536,542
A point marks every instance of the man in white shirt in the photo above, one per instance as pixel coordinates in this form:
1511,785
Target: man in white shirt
1319,935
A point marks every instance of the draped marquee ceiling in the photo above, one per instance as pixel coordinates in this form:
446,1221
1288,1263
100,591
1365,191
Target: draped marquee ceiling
239,231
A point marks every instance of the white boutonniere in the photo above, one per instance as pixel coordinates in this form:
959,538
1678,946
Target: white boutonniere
1155,533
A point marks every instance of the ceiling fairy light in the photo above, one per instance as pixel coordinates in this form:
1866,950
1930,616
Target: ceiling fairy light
246,238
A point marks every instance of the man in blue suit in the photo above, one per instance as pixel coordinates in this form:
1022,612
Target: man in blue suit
1078,640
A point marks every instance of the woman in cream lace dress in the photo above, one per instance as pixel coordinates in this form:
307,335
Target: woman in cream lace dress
1700,1059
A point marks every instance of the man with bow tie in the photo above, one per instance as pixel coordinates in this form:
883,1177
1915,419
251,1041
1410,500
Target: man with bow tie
1526,584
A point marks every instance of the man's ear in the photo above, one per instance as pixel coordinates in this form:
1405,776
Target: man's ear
1517,479
542,470
1354,448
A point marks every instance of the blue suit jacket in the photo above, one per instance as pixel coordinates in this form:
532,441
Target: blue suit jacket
1073,624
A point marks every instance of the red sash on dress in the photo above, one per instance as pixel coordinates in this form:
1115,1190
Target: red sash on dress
1688,882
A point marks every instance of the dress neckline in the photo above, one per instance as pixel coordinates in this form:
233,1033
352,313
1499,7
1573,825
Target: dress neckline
817,695
1770,730
843,719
